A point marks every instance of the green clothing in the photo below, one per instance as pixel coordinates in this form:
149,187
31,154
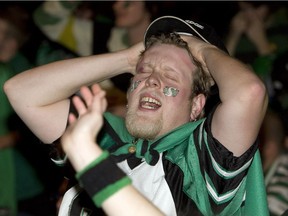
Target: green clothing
277,185
184,172
7,175
7,181
6,109
57,21
192,148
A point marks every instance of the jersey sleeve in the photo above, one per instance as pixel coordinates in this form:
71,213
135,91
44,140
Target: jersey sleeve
223,174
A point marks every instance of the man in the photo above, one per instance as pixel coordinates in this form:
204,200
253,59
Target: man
184,163
122,198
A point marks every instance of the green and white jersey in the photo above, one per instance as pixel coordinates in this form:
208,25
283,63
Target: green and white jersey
276,181
187,171
184,172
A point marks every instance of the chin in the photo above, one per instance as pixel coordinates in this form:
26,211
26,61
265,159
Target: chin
144,128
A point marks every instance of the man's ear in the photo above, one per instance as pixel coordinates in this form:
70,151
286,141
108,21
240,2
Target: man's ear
198,103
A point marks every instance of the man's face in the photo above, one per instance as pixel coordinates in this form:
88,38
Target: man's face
151,113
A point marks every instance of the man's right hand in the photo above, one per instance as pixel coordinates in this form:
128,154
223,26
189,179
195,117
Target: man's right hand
78,141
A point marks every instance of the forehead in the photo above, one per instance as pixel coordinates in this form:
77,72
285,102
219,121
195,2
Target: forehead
168,56
168,50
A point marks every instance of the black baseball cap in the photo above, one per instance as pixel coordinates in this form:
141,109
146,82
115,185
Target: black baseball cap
169,24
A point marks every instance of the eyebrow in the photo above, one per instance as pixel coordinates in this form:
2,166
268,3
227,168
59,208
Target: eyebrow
171,69
149,65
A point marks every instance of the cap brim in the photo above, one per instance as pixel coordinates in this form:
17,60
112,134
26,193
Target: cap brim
169,24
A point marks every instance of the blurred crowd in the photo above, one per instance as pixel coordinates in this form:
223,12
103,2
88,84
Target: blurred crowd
34,33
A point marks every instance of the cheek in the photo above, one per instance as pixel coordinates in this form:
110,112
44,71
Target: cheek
180,101
132,95
177,111
183,95
134,85
170,91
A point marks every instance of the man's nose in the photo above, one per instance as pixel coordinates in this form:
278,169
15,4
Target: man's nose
153,81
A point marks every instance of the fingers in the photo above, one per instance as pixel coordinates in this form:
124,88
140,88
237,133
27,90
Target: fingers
96,89
71,118
85,127
91,99
99,102
87,94
79,105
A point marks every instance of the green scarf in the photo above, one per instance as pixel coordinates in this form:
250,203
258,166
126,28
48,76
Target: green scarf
150,149
177,140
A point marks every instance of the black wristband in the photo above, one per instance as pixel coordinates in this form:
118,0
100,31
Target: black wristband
102,180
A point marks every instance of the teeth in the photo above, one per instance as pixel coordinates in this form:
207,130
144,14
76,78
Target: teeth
150,100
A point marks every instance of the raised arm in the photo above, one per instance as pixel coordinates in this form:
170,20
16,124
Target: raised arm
237,27
40,95
243,96
86,157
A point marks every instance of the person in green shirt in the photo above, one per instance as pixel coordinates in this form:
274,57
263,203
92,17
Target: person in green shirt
185,161
22,189
10,64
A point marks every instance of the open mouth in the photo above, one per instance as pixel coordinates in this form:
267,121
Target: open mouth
149,103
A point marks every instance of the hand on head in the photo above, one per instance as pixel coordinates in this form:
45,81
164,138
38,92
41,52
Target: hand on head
133,54
197,48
